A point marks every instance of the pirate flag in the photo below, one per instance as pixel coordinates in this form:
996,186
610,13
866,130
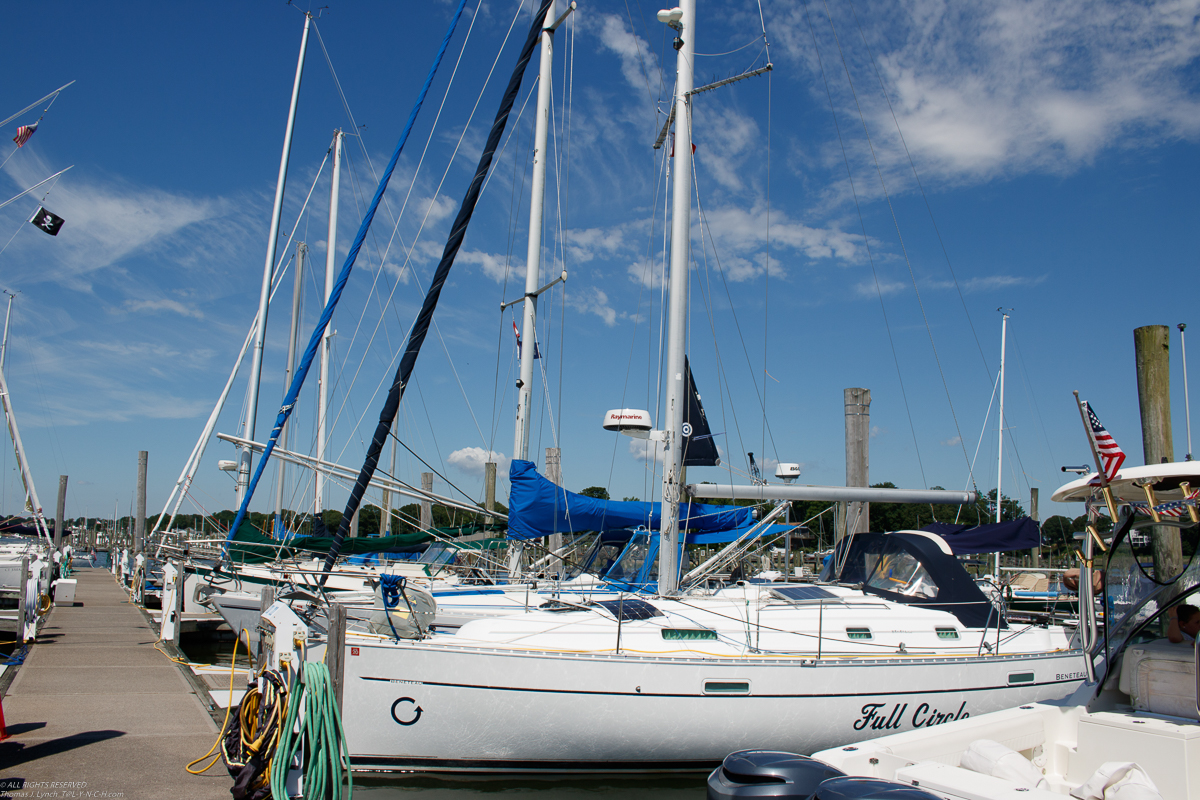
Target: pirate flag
47,221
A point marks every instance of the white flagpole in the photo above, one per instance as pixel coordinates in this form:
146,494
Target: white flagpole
32,106
36,185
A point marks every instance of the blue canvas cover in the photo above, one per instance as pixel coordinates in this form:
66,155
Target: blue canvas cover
724,537
995,537
537,508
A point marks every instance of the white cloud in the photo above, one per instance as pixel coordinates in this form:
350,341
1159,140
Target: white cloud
584,244
646,273
493,266
163,304
877,430
985,283
591,300
742,230
646,451
638,63
1011,86
871,288
953,441
470,460
724,139
108,222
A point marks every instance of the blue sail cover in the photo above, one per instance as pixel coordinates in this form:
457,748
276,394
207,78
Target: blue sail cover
537,508
767,532
996,537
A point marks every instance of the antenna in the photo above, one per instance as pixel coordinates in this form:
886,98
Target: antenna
1187,408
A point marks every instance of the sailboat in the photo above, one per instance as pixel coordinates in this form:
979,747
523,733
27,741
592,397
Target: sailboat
676,680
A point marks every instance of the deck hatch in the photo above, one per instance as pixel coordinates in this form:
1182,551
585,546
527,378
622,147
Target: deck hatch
803,594
630,609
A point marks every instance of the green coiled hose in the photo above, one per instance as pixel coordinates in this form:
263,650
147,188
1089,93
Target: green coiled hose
314,723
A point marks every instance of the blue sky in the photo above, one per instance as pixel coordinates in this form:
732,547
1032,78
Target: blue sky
1034,156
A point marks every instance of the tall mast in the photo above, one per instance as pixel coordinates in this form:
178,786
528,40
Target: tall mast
681,231
1000,446
31,498
533,258
301,256
244,458
8,317
330,269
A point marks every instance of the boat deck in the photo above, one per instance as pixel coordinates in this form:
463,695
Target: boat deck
96,708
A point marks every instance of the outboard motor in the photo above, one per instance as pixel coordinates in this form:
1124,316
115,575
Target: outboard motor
768,773
848,788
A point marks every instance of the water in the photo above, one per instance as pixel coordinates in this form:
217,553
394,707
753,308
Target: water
426,788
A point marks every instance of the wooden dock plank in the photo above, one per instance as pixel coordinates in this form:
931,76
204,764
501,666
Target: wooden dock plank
96,704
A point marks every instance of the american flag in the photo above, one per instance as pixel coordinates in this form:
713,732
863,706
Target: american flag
1177,508
1111,454
23,134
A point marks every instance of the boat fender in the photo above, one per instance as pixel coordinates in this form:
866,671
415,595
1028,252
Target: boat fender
989,757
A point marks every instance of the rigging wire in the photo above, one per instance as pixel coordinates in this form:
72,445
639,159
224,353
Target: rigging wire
759,395
21,224
921,186
514,206
1033,400
750,43
896,224
409,253
437,329
866,242
637,43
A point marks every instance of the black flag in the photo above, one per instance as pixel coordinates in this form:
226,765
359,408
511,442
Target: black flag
699,449
47,221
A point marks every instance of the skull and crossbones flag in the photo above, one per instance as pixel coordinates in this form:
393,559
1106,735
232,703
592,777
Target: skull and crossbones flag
47,221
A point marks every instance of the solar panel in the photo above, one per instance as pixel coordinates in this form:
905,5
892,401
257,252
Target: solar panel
802,594
630,608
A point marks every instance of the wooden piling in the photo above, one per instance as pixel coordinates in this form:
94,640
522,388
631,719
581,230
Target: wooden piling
427,505
1151,345
489,491
858,432
60,512
554,541
335,649
139,531
1035,554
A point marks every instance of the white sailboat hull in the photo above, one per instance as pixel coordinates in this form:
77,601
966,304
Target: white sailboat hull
422,706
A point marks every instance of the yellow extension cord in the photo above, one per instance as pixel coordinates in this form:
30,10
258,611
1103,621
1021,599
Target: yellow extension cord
228,710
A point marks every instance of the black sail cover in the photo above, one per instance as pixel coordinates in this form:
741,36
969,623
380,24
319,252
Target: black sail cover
416,336
699,449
